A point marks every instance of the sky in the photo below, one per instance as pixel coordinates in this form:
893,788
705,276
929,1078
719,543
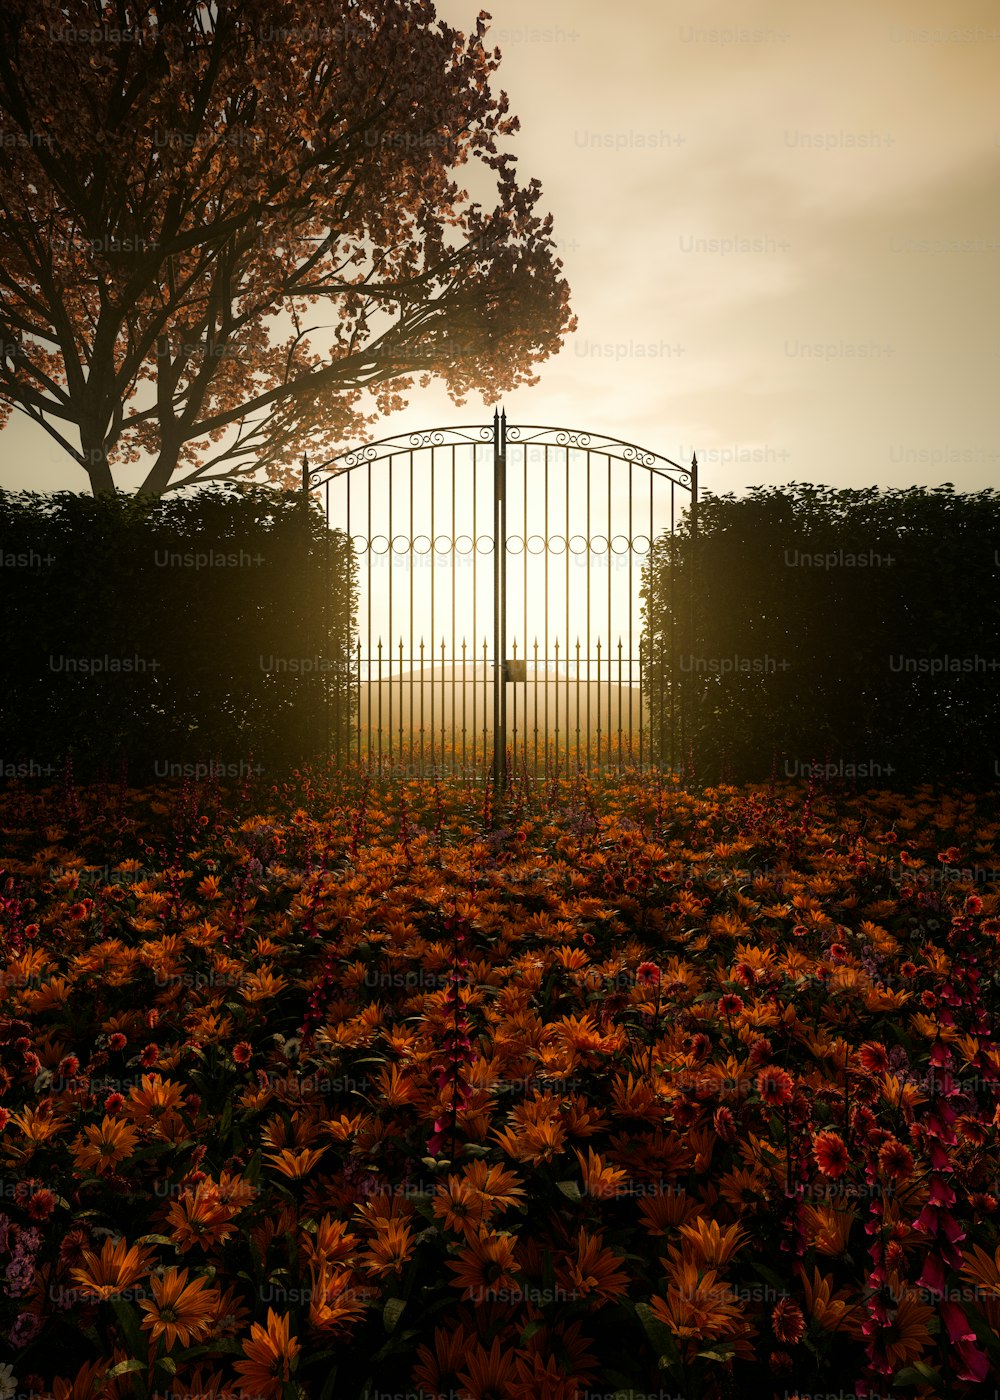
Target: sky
781,226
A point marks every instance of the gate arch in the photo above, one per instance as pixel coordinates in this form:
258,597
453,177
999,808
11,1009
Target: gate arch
420,503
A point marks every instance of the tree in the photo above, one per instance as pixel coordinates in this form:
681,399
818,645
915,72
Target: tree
184,189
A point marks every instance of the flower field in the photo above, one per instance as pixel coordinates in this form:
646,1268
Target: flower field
351,1088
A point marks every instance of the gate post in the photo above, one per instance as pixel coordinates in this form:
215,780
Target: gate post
500,600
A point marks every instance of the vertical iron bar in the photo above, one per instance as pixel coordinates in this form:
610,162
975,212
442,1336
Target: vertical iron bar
442,703
421,707
433,559
412,558
475,615
578,702
556,752
389,557
673,644
631,596
500,601
661,686
598,703
567,614
401,764
610,537
514,693
485,707
694,553
454,649
369,556
464,685
380,704
620,701
641,726
359,701
536,706
587,635
524,532
545,555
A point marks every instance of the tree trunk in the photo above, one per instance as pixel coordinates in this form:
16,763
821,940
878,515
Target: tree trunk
95,461
160,473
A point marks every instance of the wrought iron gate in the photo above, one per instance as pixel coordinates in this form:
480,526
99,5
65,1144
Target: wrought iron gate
424,705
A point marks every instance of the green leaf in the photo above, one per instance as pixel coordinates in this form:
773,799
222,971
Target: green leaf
530,1331
657,1332
129,1322
392,1312
570,1190
919,1373
168,1364
125,1368
327,1392
717,1355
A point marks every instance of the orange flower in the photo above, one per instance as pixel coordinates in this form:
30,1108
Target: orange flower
488,1374
539,1142
198,1217
594,1270
438,1370
829,1229
38,1125
460,1207
271,1356
332,1241
155,1100
708,1242
827,1308
830,1154
599,1180
89,1381
178,1310
501,1188
101,1148
698,1309
392,1246
116,1268
485,1266
334,1304
295,1165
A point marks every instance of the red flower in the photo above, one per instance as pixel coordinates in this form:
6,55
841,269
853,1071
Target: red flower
724,1124
117,1041
730,1004
787,1321
873,1057
150,1055
42,1204
830,1154
775,1086
114,1103
242,1052
896,1160
648,974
